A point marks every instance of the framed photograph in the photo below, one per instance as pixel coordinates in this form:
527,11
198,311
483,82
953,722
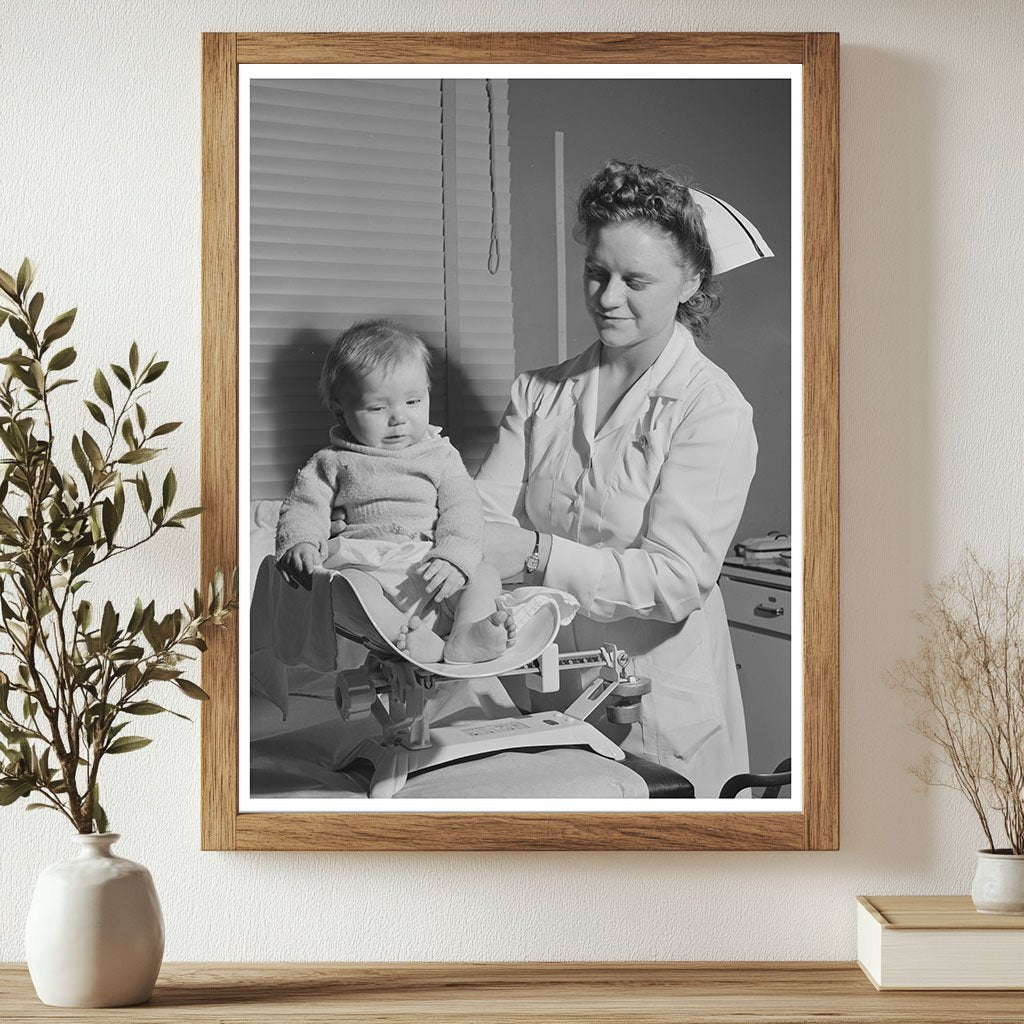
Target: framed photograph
520,418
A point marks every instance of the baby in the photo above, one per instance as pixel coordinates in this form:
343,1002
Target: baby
392,497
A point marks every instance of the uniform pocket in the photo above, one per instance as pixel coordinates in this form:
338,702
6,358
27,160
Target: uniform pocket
680,723
641,455
550,443
682,711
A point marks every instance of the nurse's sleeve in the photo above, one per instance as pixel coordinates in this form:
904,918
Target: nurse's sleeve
693,515
501,479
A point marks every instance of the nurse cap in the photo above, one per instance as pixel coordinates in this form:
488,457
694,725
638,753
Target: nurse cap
734,240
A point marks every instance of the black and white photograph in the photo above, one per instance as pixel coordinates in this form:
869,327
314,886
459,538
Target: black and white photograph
520,438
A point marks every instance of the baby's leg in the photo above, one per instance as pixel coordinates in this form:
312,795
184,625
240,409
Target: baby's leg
409,633
482,629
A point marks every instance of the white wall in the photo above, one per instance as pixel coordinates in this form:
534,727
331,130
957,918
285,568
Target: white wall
99,181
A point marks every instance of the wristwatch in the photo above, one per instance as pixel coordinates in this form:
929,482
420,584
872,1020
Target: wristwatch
533,560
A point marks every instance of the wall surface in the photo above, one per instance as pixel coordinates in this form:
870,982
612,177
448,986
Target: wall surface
101,185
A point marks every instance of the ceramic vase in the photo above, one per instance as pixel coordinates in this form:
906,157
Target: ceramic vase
95,933
999,882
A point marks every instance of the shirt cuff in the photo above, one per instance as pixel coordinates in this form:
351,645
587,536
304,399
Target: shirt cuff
575,569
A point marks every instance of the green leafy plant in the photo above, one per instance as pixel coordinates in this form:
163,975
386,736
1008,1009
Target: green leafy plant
81,672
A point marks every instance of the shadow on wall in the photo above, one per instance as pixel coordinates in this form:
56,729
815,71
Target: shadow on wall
472,441
889,268
296,376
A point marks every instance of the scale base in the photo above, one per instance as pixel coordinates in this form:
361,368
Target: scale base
394,763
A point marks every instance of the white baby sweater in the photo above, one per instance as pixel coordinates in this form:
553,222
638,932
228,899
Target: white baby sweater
422,492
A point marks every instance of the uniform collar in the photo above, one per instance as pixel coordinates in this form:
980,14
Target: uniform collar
666,378
672,371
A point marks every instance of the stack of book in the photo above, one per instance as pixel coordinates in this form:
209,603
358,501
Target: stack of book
938,942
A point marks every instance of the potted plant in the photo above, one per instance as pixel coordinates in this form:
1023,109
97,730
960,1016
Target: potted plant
967,682
82,671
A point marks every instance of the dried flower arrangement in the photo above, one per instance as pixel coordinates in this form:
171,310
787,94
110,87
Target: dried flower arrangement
967,682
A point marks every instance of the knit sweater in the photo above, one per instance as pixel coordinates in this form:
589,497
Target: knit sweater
421,492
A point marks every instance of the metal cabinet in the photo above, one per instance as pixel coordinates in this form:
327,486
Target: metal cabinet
758,604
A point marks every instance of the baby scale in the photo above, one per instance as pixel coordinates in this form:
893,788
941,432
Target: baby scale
408,744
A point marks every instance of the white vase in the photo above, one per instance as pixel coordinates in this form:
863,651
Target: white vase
999,883
95,934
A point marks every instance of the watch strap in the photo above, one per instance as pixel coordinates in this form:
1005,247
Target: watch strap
533,559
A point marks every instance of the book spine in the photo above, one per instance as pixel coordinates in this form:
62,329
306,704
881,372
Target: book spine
869,945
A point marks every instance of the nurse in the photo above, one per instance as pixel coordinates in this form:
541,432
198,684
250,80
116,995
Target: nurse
620,475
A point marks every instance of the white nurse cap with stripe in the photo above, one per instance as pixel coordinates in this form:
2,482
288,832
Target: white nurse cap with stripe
734,240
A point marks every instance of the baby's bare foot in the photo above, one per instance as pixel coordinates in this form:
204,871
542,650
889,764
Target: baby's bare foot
419,641
482,640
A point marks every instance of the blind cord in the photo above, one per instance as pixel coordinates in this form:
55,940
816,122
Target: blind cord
493,251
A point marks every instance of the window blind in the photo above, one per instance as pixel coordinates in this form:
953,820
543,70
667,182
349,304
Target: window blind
345,223
481,354
368,199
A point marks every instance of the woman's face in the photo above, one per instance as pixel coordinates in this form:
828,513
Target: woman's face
633,284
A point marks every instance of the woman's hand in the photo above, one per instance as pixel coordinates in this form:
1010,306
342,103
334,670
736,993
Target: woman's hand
507,547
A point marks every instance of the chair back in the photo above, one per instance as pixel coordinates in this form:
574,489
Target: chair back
772,783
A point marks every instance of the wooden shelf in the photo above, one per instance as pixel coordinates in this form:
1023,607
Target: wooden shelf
637,993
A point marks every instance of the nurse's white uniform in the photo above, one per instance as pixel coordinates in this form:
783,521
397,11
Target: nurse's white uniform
642,515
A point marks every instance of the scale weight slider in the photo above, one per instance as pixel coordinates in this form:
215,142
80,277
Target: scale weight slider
624,714
633,687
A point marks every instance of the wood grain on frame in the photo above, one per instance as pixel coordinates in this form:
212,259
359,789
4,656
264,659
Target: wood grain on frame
219,429
817,827
528,831
821,441
521,48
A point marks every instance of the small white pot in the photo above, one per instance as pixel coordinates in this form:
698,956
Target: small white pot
95,933
999,883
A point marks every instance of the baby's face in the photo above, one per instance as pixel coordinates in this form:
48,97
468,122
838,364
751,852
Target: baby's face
388,408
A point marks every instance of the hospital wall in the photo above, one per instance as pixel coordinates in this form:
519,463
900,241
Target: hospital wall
731,138
101,184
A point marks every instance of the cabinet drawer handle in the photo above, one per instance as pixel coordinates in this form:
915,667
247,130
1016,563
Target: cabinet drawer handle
769,611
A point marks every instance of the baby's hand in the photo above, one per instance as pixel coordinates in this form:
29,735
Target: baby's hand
442,578
297,565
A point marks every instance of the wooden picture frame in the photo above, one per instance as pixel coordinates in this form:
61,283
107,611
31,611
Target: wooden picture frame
816,826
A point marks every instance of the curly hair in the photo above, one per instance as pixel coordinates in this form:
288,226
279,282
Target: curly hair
622,192
365,347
